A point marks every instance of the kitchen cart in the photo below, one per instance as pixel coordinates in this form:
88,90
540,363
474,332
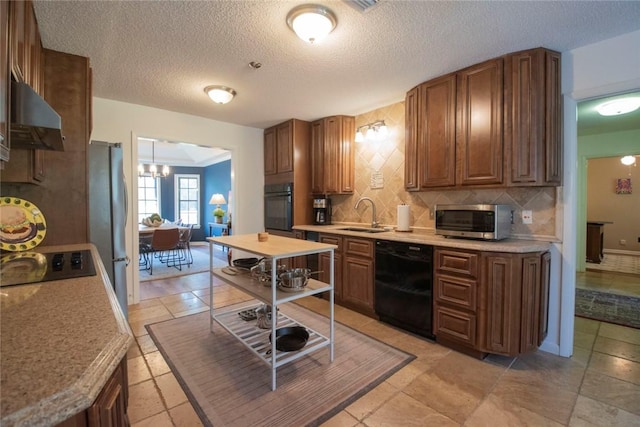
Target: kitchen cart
256,339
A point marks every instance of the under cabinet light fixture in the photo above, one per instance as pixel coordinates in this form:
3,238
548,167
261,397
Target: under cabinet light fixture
220,94
311,22
374,131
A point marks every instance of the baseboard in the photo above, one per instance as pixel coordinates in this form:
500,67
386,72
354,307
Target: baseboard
621,252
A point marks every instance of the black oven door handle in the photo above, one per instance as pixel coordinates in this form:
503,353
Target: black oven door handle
283,194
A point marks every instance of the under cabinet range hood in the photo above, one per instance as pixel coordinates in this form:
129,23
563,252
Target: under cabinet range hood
34,124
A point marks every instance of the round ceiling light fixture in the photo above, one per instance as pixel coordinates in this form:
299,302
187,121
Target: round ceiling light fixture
618,106
311,22
628,160
220,94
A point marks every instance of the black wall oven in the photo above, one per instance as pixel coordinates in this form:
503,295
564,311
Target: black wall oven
278,207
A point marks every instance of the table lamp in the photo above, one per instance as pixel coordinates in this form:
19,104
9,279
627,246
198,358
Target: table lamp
218,199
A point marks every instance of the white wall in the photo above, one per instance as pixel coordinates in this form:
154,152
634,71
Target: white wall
603,68
115,121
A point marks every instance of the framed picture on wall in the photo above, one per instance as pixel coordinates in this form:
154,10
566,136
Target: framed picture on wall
623,186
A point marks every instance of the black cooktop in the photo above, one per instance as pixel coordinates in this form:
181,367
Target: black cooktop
19,268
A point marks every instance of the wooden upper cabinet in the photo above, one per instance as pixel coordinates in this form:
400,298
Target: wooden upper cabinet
479,137
278,149
411,163
17,28
533,98
437,132
333,155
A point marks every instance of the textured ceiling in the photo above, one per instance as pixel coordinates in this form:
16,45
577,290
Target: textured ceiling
163,53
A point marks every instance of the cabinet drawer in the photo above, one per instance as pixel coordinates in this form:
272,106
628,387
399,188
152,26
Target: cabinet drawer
455,325
457,291
359,247
332,240
456,262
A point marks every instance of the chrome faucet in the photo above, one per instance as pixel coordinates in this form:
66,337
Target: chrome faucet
374,222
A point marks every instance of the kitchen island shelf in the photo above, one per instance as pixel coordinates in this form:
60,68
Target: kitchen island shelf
247,332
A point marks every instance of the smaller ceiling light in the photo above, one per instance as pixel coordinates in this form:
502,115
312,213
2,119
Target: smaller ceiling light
359,136
618,106
220,94
628,160
311,22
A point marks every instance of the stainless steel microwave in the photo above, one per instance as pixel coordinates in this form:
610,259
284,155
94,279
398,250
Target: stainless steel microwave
485,222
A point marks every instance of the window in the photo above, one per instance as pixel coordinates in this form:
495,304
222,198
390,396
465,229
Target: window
188,198
148,197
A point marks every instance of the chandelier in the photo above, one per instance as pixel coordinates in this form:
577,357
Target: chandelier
153,169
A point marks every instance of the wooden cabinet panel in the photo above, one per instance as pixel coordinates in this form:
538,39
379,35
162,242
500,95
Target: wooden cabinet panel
324,261
333,155
18,38
456,291
455,325
25,166
5,80
545,279
270,152
278,149
502,321
357,282
479,138
411,162
534,130
457,262
437,132
530,313
359,247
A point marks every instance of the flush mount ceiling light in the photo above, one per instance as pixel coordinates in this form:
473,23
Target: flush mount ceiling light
311,22
628,160
618,106
220,94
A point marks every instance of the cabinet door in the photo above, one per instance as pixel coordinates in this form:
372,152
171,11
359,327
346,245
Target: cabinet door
502,323
437,132
317,157
553,120
530,312
324,261
4,81
479,138
411,163
455,325
25,166
332,155
357,282
284,150
545,279
110,407
17,38
346,162
270,152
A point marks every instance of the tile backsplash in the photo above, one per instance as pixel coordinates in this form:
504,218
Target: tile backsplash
386,158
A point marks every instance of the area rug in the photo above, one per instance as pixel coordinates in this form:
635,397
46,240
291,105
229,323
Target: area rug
200,264
611,308
229,386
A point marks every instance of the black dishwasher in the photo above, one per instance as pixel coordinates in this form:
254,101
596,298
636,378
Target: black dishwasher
404,286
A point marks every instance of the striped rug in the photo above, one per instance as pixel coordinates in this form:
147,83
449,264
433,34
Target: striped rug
229,386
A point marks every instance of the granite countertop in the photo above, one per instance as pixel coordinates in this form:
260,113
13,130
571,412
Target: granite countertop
60,343
427,237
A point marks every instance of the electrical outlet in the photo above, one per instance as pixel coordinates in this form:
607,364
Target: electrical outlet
527,217
623,242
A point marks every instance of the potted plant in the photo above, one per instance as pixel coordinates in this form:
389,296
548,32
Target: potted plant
218,213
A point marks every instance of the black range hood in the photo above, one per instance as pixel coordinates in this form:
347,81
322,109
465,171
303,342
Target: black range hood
34,124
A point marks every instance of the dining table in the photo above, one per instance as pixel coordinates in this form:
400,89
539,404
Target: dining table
146,231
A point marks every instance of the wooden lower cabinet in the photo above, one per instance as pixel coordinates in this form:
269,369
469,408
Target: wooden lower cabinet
110,407
354,271
499,305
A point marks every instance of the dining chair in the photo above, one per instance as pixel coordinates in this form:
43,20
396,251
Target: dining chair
184,243
144,263
164,243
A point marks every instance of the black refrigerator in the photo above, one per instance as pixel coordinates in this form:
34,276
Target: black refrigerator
108,213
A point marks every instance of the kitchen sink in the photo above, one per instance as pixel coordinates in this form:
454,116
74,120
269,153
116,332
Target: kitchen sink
364,229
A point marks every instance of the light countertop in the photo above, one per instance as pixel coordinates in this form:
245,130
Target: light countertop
60,343
427,237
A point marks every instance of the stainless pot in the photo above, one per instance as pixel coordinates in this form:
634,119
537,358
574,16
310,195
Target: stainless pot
296,278
263,316
262,271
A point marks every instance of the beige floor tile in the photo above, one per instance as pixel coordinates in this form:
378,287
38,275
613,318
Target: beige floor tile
159,420
341,419
144,401
589,326
134,350
170,390
620,333
583,339
615,392
146,344
144,304
148,313
589,412
184,416
542,367
615,367
137,370
403,410
371,401
406,375
138,327
156,363
495,412
617,348
581,355
191,311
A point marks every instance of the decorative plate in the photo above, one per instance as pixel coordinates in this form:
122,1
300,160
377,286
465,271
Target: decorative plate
22,225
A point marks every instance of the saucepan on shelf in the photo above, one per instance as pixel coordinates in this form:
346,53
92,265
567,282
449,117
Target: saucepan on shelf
262,271
295,280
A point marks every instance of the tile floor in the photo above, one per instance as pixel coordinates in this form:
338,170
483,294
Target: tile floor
599,385
617,263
